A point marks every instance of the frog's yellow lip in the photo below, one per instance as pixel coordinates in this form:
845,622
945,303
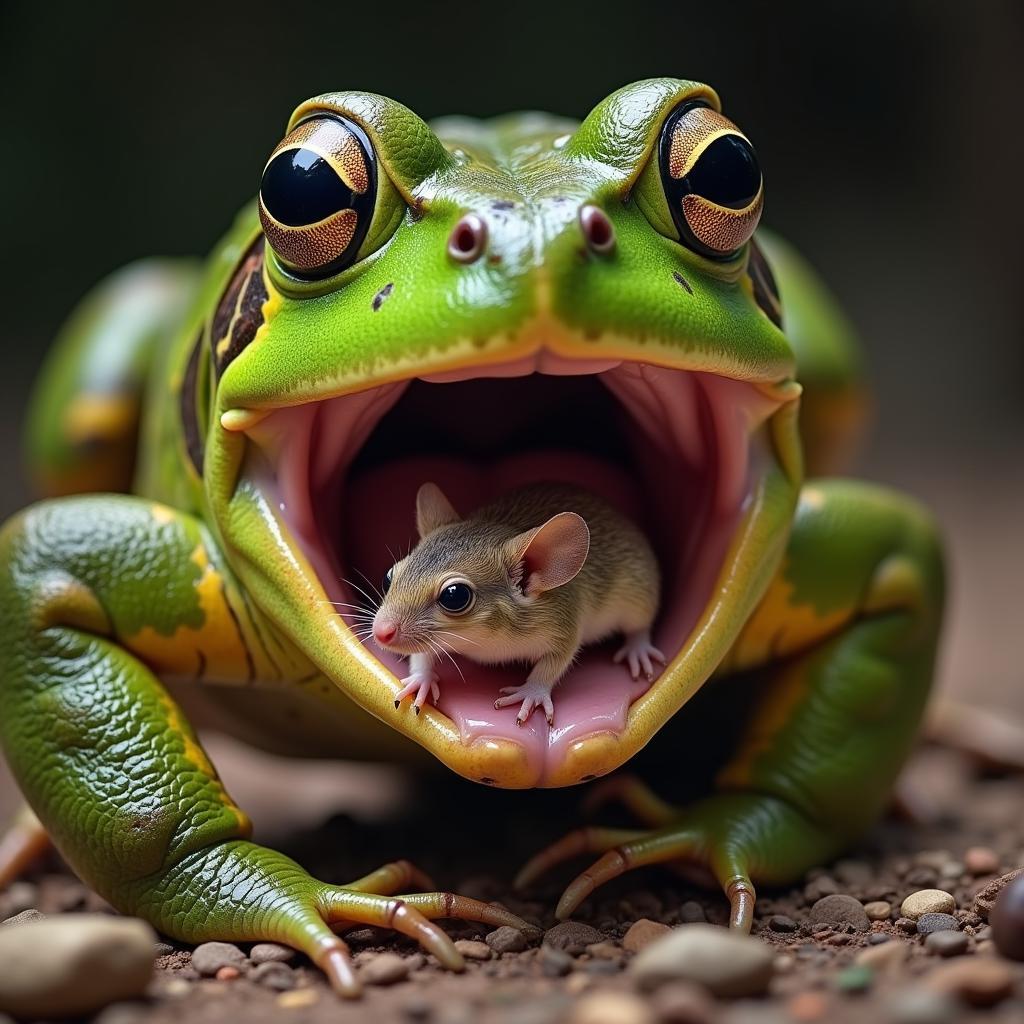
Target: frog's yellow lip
688,459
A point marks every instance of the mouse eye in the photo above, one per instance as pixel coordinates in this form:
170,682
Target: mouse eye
709,176
385,584
456,597
323,201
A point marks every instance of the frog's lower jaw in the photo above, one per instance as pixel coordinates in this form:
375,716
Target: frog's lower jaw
688,455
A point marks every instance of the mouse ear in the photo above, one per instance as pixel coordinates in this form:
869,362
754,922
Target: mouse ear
433,510
550,555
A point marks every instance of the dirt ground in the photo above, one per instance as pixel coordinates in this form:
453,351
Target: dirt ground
478,839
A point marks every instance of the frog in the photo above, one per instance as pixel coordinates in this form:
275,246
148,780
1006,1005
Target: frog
228,455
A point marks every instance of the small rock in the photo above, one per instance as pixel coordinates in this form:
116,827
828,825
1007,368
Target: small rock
682,1002
227,973
162,949
610,1007
727,964
927,901
839,910
209,957
271,952
978,980
605,951
506,939
782,923
473,950
1007,920
980,860
273,974
878,910
691,912
389,968
889,956
856,979
906,924
642,933
555,963
928,923
73,965
921,1005
572,936
297,1000
25,917
986,897
946,943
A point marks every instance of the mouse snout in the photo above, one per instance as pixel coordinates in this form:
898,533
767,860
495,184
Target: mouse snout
385,629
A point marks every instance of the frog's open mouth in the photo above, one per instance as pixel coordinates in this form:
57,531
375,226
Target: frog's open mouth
681,452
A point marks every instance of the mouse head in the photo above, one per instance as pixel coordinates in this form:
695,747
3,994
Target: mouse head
467,584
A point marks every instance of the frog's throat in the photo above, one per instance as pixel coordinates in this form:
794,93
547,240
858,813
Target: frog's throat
709,466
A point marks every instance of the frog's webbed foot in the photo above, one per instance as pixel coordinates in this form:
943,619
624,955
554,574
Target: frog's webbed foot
733,835
420,685
531,695
639,653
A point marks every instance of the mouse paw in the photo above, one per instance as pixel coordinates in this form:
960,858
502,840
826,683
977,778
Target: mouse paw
532,695
423,685
638,652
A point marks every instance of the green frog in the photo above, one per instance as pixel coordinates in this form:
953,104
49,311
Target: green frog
483,305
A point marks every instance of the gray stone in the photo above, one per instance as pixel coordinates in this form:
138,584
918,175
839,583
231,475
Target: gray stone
554,962
946,943
839,911
473,950
724,962
271,952
384,969
506,939
209,957
274,975
73,965
928,923
572,936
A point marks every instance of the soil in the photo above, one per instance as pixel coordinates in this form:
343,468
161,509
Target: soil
472,840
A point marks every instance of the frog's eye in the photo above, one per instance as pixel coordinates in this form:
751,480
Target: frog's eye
709,177
322,199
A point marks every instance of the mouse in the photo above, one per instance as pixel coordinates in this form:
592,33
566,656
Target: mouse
531,577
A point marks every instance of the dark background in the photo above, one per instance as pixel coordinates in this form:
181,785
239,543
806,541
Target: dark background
890,136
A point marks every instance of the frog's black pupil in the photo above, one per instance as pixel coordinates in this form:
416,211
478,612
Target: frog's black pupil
727,173
300,187
385,584
455,597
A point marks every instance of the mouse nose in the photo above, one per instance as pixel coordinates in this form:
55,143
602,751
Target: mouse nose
384,630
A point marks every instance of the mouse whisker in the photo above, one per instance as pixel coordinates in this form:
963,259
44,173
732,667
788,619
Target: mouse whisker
458,636
373,603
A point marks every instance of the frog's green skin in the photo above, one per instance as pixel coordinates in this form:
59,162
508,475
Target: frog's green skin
832,589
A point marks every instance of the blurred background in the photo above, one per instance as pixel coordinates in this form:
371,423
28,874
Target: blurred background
889,133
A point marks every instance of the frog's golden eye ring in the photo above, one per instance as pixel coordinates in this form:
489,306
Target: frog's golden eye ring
712,180
317,196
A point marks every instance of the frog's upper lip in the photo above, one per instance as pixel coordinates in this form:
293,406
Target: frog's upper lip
698,447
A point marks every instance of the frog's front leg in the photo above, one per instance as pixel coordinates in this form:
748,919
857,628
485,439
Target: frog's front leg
840,654
98,596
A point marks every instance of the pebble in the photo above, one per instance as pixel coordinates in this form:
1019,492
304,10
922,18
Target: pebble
727,964
887,957
906,924
610,1007
978,980
927,901
227,973
506,939
605,951
642,933
1007,920
572,936
919,1005
928,923
856,979
162,949
25,917
297,1000
273,974
782,923
682,1002
473,950
840,910
209,957
555,963
73,965
946,943
388,968
878,910
271,952
691,912
980,860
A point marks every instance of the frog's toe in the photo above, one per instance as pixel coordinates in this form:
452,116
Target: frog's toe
635,795
462,908
391,878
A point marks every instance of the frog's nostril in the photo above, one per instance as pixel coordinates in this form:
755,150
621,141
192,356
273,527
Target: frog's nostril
468,239
597,229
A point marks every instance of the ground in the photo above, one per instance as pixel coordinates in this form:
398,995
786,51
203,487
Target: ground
950,804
